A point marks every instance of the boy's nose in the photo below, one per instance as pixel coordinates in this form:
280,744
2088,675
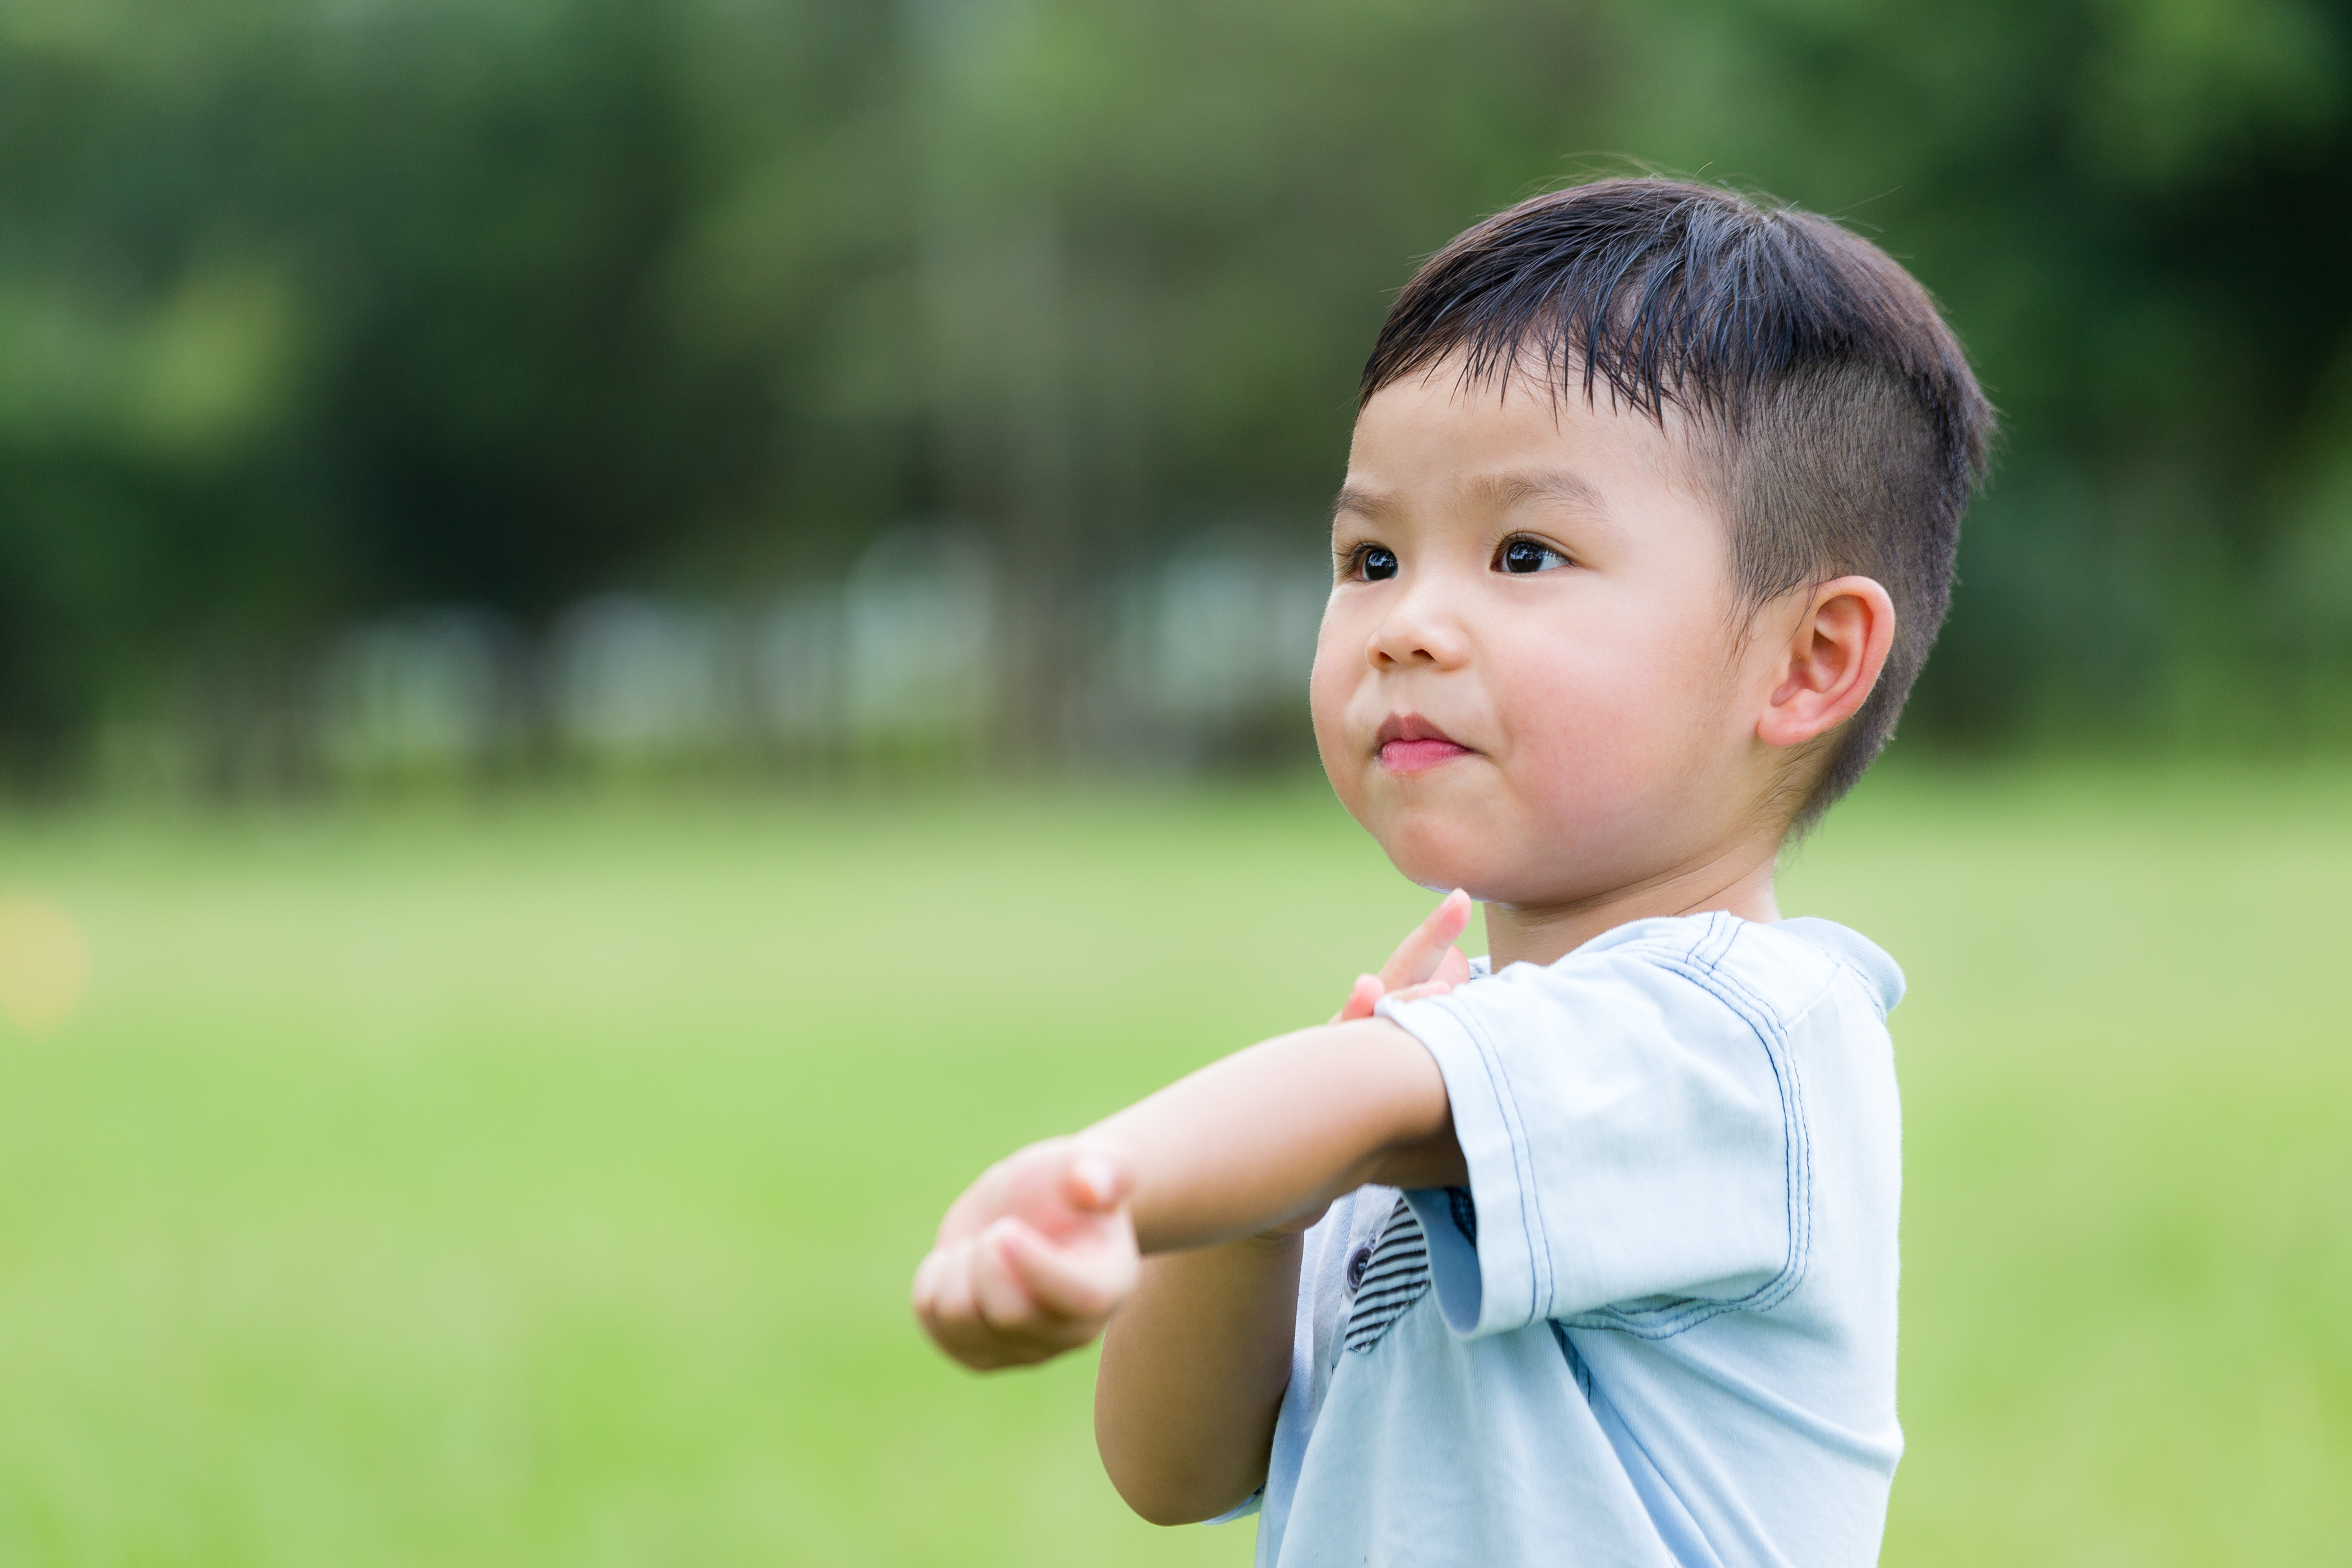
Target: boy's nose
1418,629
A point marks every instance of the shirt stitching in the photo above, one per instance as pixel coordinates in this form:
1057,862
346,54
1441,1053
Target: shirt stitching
1678,1314
1698,958
1542,1275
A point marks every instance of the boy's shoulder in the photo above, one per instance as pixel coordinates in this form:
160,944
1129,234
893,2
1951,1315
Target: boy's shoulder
1777,968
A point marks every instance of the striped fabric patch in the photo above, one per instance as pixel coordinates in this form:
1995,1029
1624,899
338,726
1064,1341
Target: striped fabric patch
1396,1275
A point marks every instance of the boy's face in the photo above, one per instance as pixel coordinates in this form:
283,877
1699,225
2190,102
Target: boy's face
1530,681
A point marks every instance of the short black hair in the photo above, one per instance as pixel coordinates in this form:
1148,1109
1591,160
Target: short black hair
1842,428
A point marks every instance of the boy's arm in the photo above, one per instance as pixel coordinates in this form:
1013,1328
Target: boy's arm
1274,1133
1042,1247
1194,1370
1039,1253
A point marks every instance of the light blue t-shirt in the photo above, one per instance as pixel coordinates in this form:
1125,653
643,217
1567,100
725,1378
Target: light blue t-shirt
1659,1327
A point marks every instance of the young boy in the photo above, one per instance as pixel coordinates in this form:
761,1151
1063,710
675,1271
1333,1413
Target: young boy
1588,1255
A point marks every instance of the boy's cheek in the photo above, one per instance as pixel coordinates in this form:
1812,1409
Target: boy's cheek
1328,689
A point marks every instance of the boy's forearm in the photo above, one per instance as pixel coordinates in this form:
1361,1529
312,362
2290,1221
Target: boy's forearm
1193,1369
1256,1140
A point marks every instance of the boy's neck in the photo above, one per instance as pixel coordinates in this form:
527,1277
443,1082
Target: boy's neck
1740,882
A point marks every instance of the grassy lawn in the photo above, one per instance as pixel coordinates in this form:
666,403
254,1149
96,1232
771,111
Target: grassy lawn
538,1184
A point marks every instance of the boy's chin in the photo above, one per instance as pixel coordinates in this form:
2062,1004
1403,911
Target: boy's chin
1441,859
1482,864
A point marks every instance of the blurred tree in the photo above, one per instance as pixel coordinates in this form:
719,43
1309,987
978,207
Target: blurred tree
308,310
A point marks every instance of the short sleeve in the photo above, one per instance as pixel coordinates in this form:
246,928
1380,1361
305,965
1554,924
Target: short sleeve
1635,1135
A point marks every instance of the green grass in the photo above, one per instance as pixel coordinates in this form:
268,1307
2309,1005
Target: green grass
539,1184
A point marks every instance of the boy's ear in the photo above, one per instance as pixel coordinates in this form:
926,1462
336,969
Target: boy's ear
1829,662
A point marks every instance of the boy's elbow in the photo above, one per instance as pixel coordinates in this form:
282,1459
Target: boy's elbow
1166,1487
1164,1499
1153,1508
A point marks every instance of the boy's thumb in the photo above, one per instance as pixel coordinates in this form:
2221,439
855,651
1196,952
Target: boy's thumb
1100,1179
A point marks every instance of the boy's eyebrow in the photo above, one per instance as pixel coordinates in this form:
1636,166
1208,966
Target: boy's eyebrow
1502,492
1368,504
1499,492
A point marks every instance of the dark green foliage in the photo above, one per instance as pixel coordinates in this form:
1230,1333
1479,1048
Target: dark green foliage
311,310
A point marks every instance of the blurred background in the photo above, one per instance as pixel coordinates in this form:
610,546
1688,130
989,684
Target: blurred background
634,632
399,386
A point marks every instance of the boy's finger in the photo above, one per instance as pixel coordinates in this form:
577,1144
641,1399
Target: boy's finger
1080,1290
957,1324
1004,1302
950,1314
925,1288
1426,988
959,1319
1418,955
1024,1327
1007,1186
1363,997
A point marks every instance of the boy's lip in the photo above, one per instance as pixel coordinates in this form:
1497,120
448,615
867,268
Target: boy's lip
1409,744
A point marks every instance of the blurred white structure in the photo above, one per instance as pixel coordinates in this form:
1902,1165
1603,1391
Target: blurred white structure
1201,657
1206,655
1232,629
798,657
918,623
429,690
637,678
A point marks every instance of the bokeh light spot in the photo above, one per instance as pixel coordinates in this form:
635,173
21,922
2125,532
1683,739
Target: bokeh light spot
44,963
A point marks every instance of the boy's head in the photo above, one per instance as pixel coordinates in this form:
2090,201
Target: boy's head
1649,522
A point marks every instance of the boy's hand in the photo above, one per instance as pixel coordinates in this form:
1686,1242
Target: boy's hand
1033,1259
1425,964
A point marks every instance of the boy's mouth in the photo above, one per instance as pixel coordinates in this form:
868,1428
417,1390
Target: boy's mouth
1409,744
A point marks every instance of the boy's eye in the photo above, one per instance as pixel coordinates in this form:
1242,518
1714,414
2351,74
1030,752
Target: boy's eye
1377,562
1525,555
